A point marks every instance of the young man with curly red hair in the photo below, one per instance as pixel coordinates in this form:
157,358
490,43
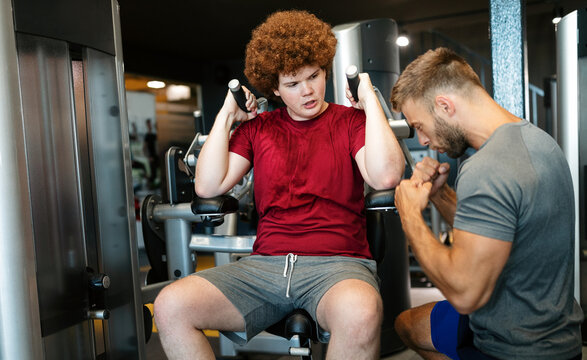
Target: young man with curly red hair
311,160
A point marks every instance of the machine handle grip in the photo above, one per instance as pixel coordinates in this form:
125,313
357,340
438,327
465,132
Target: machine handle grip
352,76
239,94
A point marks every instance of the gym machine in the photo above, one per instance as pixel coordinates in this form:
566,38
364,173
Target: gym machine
571,38
70,286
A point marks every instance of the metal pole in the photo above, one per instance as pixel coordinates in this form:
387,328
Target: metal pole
178,233
348,53
568,111
20,324
134,257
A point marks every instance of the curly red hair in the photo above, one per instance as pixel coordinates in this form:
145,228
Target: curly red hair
285,42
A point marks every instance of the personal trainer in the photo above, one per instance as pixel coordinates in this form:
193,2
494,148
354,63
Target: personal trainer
508,275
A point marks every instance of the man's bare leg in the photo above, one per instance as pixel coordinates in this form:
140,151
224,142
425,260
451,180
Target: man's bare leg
352,311
413,327
186,307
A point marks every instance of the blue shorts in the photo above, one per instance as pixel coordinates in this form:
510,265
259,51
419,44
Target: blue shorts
452,336
444,328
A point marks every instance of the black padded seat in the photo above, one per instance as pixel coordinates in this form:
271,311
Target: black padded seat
212,210
218,205
380,200
298,322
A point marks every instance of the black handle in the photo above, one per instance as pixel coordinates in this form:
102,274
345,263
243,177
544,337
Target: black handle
239,94
352,76
99,281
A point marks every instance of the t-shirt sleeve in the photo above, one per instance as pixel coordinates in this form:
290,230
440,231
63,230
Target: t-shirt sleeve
487,204
357,130
240,141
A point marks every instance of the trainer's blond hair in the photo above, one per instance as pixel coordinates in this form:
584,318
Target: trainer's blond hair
431,72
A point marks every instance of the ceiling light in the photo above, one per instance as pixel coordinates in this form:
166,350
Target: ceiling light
177,92
402,40
154,84
557,15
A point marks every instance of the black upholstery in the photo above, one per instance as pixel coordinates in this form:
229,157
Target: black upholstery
298,322
380,200
154,239
377,203
212,210
219,205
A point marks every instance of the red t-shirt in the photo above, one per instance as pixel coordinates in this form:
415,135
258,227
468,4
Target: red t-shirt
308,188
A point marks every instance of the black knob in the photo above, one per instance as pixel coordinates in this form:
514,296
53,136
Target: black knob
239,94
100,281
352,75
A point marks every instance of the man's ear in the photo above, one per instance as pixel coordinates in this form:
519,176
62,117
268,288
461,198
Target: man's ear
444,104
276,92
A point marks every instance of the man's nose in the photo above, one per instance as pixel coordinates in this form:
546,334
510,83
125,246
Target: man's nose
423,139
307,88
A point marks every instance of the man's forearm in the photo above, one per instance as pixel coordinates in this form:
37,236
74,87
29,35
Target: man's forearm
445,201
427,249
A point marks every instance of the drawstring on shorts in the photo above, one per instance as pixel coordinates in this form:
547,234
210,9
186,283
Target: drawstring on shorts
290,259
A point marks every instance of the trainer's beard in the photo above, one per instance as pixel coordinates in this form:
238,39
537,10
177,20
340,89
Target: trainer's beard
451,138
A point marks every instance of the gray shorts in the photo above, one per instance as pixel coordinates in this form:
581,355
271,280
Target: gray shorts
257,287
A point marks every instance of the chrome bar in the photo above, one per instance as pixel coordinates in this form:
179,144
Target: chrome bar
181,211
179,260
222,243
20,330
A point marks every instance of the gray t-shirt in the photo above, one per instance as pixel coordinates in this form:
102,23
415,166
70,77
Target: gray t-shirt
518,188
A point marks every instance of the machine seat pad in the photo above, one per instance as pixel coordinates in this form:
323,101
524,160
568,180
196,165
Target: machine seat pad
223,204
380,199
298,322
